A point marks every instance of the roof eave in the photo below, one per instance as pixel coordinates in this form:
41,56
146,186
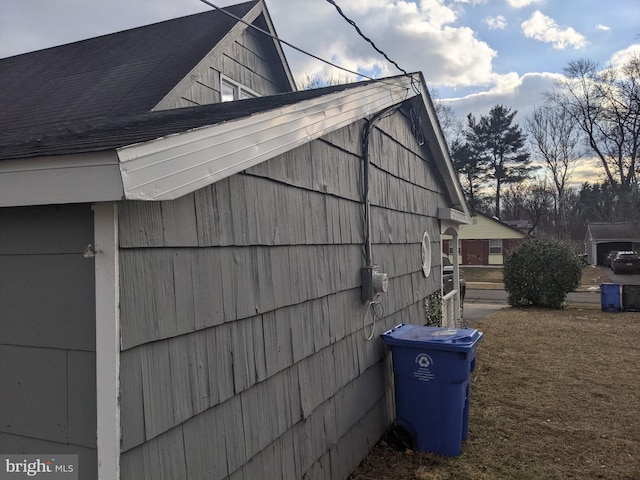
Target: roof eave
441,151
172,166
79,178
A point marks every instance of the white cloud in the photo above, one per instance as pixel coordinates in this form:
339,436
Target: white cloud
621,56
545,29
521,93
418,35
604,28
496,23
522,3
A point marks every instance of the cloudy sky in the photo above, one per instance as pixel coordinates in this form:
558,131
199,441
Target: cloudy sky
476,53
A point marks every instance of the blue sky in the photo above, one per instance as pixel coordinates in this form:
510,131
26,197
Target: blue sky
476,53
501,49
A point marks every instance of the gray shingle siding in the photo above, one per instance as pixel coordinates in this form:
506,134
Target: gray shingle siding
241,310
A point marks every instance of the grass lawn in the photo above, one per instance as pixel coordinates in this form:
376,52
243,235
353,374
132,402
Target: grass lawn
556,394
484,277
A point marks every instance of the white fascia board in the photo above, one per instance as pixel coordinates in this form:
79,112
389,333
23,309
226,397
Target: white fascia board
447,171
61,179
453,215
173,166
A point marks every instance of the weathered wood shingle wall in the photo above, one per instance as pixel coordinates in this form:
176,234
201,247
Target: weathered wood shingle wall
249,60
243,349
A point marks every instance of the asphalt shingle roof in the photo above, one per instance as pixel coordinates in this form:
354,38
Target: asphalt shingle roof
105,133
127,72
604,231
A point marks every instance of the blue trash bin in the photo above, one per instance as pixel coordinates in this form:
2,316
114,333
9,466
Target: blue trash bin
610,296
432,371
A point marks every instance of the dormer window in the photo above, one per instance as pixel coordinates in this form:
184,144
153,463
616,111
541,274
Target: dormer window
231,90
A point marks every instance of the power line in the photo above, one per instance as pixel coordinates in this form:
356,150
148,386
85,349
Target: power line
290,44
355,25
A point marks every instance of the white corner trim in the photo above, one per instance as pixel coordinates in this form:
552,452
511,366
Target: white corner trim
107,340
172,166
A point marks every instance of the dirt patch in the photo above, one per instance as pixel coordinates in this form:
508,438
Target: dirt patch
555,395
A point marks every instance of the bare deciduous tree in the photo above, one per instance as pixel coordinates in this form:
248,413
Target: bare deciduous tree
605,103
556,139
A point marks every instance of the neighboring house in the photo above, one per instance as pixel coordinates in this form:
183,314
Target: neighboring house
602,238
182,291
484,241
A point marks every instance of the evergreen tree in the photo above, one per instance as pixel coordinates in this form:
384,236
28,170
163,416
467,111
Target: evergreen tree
499,145
472,173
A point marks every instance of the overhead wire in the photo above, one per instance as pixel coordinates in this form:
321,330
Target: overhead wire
284,42
304,52
355,25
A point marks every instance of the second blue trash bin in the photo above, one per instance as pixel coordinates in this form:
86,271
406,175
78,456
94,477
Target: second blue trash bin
432,368
610,297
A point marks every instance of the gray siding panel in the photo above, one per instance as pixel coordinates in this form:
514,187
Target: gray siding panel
242,322
81,395
49,299
205,445
45,230
131,399
47,339
34,392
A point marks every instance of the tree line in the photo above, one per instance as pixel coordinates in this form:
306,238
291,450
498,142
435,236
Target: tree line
524,172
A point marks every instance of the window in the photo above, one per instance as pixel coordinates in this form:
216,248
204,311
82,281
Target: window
230,90
495,246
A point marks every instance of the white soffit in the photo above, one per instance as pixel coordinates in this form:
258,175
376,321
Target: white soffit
173,166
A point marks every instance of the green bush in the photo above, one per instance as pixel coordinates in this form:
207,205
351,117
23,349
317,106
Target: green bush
433,309
540,273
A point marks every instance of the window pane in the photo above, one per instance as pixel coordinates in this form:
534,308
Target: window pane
495,246
244,94
227,92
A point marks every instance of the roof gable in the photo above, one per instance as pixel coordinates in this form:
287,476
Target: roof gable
127,72
484,227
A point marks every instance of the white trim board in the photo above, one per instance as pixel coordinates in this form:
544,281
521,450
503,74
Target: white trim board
107,339
81,178
170,167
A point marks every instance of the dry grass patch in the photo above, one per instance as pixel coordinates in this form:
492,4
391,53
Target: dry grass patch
488,277
480,274
592,277
556,394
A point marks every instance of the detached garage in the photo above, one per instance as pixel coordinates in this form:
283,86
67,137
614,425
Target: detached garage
602,238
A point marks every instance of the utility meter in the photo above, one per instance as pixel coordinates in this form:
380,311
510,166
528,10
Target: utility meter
374,283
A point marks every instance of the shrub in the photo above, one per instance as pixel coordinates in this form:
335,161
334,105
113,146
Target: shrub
433,309
540,273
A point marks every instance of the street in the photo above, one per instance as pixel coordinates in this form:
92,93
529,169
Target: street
480,303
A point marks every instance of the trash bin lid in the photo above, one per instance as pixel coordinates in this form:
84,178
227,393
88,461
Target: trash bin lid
435,338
